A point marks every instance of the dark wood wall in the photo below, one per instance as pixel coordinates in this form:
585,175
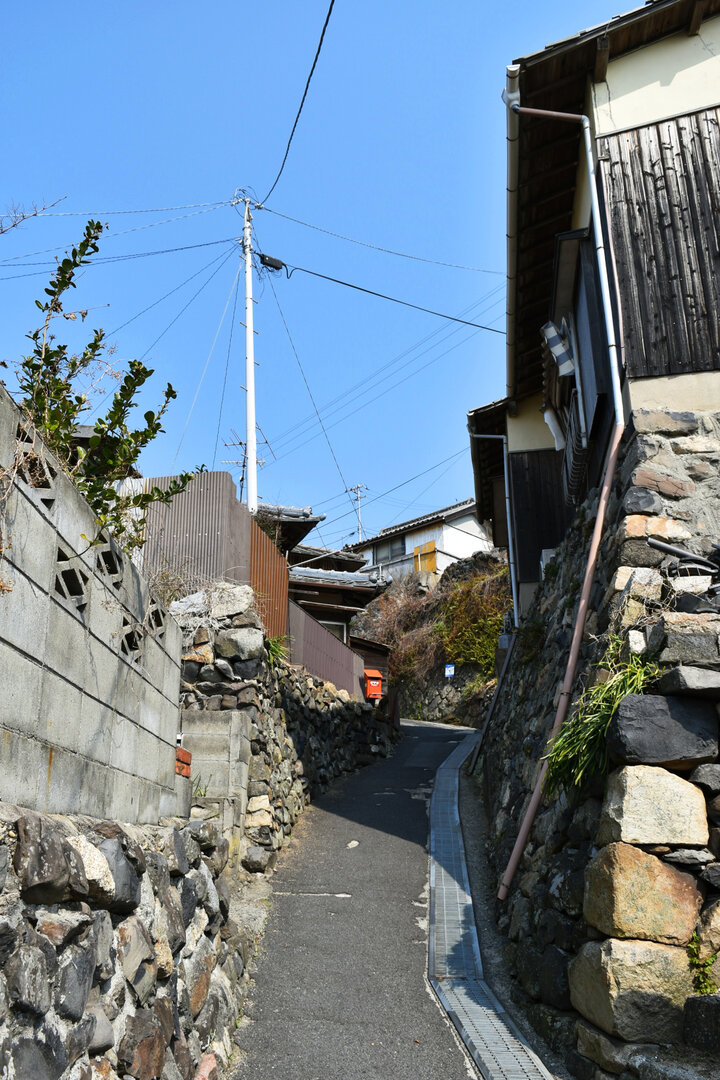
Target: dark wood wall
539,507
662,188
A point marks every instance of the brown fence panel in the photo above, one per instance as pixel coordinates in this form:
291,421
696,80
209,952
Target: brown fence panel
202,536
322,653
269,579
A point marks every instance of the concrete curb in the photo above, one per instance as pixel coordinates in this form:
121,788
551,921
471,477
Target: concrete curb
454,962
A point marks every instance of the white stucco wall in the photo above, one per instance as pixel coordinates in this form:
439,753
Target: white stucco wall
527,430
672,77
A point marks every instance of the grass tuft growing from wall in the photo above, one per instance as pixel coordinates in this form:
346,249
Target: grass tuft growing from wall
579,750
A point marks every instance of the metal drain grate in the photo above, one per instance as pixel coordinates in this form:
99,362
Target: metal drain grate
454,962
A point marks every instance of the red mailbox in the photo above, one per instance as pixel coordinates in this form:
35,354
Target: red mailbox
373,684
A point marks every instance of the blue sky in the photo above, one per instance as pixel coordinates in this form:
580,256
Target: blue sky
401,144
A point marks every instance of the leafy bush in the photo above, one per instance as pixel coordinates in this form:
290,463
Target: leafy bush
459,623
48,377
472,620
579,750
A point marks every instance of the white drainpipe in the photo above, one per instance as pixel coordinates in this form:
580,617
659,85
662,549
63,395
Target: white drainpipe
511,96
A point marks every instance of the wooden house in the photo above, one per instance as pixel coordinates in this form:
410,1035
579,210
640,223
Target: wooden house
648,84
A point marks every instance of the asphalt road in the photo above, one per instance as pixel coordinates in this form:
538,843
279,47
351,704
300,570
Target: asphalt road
340,990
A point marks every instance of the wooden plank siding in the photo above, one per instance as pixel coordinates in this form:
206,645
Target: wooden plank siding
541,514
662,189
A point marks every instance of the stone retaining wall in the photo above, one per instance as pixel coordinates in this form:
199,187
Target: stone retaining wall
117,956
265,736
618,876
438,698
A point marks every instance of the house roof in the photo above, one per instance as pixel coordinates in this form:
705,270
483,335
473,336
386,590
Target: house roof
448,513
338,579
555,78
486,454
359,642
289,524
325,558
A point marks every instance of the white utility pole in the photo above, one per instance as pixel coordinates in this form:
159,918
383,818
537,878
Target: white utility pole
250,438
358,496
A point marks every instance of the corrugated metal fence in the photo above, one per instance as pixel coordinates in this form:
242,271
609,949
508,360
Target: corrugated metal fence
202,536
205,535
322,653
269,578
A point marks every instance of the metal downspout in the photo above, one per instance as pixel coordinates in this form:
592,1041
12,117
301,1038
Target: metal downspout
511,542
511,96
579,627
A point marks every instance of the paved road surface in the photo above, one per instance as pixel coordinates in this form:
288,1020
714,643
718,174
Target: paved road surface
340,988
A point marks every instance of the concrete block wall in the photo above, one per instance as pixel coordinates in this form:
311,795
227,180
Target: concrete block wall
89,663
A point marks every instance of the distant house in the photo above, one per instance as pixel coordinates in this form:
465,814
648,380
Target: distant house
333,597
429,543
612,287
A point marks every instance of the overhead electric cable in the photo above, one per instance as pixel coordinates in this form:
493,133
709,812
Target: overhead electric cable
377,247
111,258
305,93
207,362
176,289
397,486
383,373
310,393
147,210
394,299
374,396
414,501
116,258
172,322
183,309
227,366
371,392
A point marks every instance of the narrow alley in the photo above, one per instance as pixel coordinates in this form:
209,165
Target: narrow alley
340,989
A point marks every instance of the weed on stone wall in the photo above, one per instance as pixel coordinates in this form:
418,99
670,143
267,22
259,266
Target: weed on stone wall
472,622
579,750
703,982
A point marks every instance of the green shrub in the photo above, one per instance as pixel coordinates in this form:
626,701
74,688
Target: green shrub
579,750
473,619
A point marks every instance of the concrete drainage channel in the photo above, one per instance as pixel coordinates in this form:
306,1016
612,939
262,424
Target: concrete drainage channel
454,963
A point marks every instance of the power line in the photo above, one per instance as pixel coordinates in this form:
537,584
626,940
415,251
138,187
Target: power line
187,305
305,92
376,247
394,299
111,258
120,258
374,395
176,289
413,502
148,210
227,365
403,484
310,393
236,279
372,380
172,322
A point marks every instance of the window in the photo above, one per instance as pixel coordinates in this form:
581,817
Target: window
337,629
389,549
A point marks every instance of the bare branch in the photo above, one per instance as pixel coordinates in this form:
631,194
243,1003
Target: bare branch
15,214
